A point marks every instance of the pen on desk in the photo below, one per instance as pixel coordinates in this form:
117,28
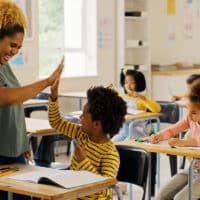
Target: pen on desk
4,168
7,172
142,140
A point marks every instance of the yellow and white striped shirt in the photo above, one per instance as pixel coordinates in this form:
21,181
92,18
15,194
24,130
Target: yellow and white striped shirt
101,158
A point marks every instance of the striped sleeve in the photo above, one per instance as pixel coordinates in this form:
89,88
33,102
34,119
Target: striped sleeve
59,124
110,164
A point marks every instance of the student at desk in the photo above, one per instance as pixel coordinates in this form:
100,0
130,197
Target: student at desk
103,114
14,146
133,82
177,187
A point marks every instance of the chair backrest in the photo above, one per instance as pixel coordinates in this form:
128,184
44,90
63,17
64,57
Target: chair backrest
134,166
29,109
42,95
170,112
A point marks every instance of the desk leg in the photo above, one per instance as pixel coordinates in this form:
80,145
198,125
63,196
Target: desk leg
190,179
149,178
10,196
158,155
80,103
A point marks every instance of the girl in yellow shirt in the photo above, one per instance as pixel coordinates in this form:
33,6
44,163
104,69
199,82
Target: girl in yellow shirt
133,82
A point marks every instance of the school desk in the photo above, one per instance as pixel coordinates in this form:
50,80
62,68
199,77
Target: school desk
145,116
39,127
195,154
78,95
44,152
48,192
35,102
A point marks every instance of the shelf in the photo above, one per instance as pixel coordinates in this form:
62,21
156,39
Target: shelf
137,47
136,44
136,18
134,41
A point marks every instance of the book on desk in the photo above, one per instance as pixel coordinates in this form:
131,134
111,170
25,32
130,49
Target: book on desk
62,178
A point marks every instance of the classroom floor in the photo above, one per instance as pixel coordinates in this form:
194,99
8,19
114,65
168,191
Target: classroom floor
137,192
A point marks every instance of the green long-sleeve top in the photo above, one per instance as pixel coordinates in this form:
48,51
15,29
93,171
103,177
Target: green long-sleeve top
13,138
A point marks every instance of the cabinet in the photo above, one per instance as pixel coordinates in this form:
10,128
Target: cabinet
133,37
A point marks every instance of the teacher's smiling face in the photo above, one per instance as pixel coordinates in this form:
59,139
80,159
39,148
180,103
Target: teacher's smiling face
9,46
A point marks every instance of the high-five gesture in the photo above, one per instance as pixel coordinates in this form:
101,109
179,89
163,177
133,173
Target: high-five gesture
56,74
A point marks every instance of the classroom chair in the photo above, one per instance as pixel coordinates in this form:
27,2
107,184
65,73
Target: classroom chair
134,168
28,110
170,115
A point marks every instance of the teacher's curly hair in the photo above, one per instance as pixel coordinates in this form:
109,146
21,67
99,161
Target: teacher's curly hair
12,19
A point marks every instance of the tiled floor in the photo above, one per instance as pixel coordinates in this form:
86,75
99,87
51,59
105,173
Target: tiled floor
137,192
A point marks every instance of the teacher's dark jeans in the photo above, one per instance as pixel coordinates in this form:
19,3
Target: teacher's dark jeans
9,160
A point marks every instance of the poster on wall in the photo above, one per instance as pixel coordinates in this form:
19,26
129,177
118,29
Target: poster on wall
27,8
188,20
104,39
171,7
19,60
171,36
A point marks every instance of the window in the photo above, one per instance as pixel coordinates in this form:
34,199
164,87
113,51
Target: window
68,27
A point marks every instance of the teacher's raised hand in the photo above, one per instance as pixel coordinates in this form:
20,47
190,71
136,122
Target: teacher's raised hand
56,74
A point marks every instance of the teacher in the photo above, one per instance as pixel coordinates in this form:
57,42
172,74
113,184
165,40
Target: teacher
14,146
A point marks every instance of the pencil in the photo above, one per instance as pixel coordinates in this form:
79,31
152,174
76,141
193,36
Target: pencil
7,172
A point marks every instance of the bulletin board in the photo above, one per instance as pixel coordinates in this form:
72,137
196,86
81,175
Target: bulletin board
175,31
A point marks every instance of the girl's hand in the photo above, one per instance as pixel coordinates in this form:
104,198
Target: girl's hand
155,138
197,165
176,98
28,156
176,142
56,74
79,152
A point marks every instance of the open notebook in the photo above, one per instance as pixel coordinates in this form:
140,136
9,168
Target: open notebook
63,178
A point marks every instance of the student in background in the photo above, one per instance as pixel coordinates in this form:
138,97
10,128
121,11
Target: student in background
177,187
14,146
103,115
189,81
133,82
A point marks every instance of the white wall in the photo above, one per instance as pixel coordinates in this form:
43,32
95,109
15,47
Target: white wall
106,57
183,48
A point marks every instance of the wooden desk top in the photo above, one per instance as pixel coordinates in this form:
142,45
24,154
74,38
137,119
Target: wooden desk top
142,115
176,72
47,191
39,126
74,94
162,149
35,102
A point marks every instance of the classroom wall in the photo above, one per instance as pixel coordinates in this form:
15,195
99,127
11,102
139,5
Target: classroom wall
175,38
106,56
